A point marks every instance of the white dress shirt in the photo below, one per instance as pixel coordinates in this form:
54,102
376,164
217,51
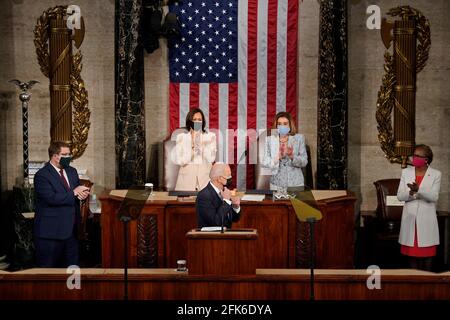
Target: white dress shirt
64,172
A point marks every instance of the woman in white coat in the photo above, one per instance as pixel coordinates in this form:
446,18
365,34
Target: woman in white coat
195,153
419,188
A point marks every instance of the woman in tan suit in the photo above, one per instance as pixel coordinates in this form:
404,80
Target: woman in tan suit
195,153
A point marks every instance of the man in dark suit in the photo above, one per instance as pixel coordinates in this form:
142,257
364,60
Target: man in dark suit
58,195
214,203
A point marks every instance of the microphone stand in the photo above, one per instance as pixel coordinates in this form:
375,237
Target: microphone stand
130,208
312,257
242,156
125,220
223,217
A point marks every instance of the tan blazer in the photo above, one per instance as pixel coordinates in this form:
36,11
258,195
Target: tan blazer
419,210
194,167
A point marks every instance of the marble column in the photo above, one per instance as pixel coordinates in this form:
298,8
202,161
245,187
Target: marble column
332,96
129,95
2,217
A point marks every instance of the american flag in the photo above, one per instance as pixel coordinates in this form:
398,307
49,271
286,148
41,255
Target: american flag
237,61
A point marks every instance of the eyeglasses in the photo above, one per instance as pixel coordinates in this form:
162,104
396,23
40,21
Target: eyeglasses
419,156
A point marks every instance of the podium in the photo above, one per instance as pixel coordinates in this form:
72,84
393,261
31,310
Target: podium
232,252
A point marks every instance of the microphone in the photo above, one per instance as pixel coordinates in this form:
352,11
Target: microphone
245,153
221,229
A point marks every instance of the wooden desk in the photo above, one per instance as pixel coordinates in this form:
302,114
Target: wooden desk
266,284
157,237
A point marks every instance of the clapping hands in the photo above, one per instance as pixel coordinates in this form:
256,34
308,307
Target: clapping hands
226,193
235,202
413,188
286,151
290,152
81,192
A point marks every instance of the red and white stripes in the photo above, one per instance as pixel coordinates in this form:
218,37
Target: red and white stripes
266,83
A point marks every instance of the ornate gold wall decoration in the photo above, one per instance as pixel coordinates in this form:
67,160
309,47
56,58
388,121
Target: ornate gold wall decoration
411,44
68,96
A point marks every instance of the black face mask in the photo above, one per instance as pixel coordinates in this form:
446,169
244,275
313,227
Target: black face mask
65,162
229,182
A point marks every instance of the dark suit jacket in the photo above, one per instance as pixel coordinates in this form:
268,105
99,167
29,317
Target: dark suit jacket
56,207
211,208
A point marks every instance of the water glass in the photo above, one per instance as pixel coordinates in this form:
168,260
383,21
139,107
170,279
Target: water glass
149,187
181,265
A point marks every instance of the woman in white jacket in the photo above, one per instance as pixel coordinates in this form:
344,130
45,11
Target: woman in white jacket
419,188
195,153
285,153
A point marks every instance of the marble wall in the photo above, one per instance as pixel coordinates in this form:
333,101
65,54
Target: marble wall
18,60
366,160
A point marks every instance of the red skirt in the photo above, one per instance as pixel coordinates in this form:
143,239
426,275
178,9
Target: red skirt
416,251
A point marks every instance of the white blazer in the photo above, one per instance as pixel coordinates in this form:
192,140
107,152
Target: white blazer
421,209
291,174
194,168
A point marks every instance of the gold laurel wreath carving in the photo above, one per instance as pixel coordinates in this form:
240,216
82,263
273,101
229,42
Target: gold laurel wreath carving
385,101
78,92
81,113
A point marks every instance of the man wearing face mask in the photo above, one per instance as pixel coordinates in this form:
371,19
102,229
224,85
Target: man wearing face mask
58,196
419,188
195,151
215,205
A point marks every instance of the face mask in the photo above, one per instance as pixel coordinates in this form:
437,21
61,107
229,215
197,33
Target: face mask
65,161
197,125
283,130
419,162
229,182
